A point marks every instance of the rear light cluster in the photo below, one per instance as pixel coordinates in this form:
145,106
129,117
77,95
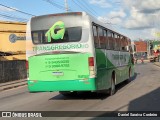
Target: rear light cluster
91,66
91,61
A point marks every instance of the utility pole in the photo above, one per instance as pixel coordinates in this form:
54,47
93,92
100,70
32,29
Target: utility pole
66,5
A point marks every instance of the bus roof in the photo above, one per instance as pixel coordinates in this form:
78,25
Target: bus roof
61,14
93,19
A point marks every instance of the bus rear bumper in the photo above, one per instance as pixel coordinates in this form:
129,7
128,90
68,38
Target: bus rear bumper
65,85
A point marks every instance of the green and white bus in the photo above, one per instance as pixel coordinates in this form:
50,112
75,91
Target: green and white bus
71,52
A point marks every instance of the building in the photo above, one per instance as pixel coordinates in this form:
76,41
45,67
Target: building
12,41
141,48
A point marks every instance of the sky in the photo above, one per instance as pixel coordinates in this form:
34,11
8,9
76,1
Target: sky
137,19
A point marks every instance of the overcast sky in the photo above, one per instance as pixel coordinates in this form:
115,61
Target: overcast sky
138,19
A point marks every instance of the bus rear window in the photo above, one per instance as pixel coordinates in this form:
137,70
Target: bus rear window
72,34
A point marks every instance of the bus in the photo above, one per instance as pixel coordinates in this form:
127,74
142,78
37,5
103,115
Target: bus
73,51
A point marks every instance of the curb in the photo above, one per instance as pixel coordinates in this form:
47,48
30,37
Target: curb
157,64
13,84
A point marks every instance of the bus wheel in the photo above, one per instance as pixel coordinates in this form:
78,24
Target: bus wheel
129,75
113,87
68,93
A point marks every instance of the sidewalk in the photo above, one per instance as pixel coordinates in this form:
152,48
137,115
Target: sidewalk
12,84
157,63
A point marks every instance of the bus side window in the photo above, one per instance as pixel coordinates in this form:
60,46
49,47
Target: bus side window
126,43
106,39
123,43
110,40
101,38
120,42
95,35
116,42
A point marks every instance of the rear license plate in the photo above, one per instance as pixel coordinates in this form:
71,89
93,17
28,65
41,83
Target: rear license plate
57,73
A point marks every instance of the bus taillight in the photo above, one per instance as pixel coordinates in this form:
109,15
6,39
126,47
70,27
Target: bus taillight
91,61
91,66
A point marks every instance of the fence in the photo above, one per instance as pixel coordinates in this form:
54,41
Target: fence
12,70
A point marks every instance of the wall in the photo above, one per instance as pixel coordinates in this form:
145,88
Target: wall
141,46
12,40
12,70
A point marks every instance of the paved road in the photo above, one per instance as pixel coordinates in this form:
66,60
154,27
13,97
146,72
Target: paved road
141,94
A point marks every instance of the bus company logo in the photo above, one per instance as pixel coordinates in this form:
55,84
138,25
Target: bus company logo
60,27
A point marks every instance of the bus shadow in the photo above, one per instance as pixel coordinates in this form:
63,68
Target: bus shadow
147,103
81,96
124,83
134,77
92,95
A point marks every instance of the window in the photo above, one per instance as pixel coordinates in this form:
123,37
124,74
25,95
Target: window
116,42
110,36
95,35
106,39
123,43
72,34
101,38
37,37
120,43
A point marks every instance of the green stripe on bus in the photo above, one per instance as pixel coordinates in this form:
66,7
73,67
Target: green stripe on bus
65,85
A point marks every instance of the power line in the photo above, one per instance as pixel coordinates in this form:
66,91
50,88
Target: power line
77,5
11,14
82,6
13,18
86,7
89,7
54,4
16,10
58,2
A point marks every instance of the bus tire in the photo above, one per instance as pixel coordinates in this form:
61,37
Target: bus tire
68,93
129,75
113,87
